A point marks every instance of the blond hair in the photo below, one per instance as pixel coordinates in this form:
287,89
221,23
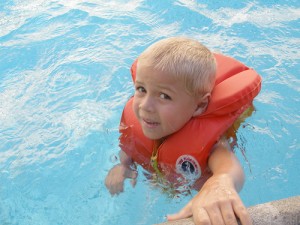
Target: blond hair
186,59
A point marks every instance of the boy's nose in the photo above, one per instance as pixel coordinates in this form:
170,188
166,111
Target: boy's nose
147,104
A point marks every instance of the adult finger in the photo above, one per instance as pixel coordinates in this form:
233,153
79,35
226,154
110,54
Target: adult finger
201,217
215,215
242,213
228,214
185,212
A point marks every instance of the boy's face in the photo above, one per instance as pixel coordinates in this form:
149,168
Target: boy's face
161,102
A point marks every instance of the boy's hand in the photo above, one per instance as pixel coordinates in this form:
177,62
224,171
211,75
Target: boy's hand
115,178
217,203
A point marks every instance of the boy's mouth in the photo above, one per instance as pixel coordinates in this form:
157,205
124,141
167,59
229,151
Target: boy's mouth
149,123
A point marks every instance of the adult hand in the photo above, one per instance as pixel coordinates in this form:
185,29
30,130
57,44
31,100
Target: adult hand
217,203
115,178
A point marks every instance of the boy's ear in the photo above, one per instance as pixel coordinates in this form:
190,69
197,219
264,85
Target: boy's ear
202,104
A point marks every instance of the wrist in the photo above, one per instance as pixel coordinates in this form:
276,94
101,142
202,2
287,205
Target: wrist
124,167
234,178
222,180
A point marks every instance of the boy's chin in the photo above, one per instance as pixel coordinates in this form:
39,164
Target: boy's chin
152,136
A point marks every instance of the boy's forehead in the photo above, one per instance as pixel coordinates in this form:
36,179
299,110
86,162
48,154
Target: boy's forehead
147,67
163,79
144,66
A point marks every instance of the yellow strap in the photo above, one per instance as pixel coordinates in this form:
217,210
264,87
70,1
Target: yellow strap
154,156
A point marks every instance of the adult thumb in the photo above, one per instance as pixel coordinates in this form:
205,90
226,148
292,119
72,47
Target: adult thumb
182,214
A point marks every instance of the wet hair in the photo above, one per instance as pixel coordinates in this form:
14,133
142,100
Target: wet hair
186,59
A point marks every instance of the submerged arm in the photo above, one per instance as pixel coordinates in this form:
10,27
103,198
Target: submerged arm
115,178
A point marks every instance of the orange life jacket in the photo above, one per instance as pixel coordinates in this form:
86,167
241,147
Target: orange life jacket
187,150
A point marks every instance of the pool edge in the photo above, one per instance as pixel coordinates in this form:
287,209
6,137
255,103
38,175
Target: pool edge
280,212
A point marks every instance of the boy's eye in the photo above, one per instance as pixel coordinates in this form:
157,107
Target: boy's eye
165,96
140,89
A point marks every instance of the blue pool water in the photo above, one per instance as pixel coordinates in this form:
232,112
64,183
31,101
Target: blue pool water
64,79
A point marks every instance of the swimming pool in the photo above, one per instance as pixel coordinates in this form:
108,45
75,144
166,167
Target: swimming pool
64,79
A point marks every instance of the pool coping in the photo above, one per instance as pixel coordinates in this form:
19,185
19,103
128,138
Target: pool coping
280,212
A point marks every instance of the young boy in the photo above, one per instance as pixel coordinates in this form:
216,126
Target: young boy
174,81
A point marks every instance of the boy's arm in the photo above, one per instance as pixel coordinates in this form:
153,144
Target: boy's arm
115,178
218,201
223,162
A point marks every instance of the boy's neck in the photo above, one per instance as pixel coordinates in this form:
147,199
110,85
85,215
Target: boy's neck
158,142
